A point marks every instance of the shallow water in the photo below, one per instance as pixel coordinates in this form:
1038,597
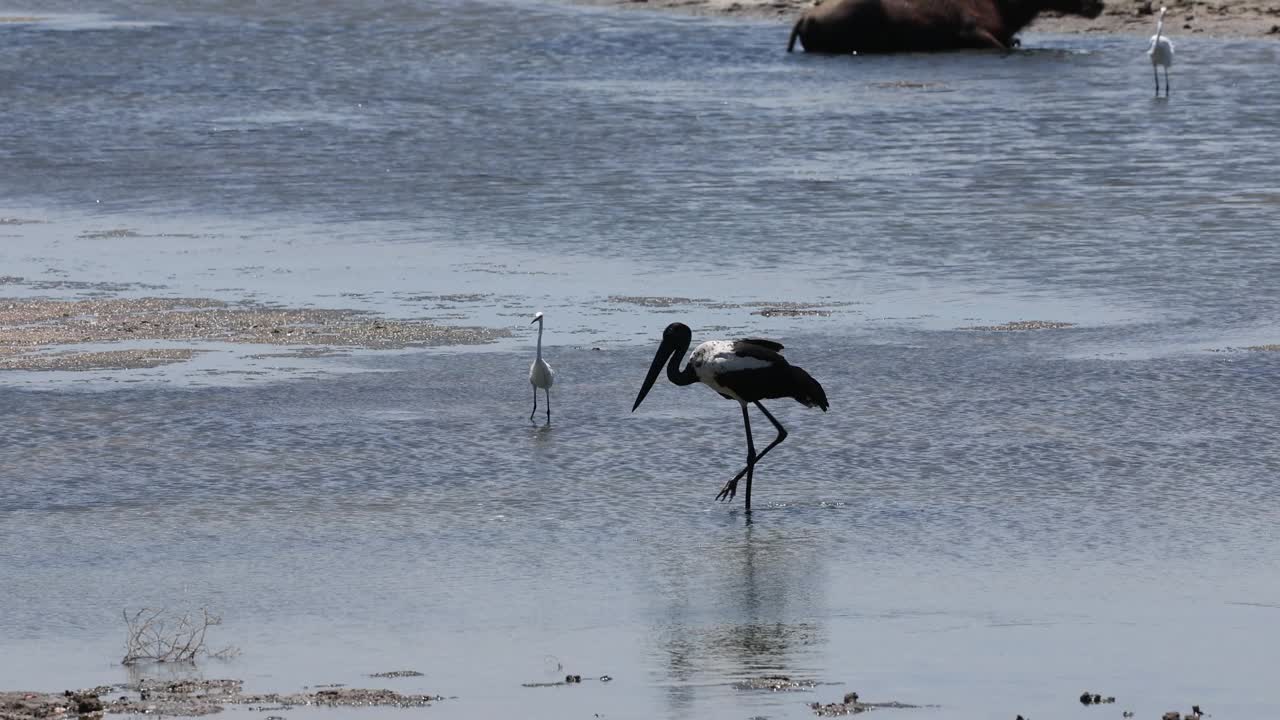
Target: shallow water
985,526
988,522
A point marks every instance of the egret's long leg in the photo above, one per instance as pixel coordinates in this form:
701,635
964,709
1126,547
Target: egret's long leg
548,391
534,411
1156,71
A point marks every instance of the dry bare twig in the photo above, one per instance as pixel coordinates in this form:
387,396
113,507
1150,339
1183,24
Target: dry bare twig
156,635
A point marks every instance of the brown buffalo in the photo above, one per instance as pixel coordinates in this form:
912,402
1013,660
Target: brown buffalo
882,26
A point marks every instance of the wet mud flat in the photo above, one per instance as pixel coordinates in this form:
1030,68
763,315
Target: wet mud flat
199,697
849,704
763,308
1020,326
196,697
193,698
42,334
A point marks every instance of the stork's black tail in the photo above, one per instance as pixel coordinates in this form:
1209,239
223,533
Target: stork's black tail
806,390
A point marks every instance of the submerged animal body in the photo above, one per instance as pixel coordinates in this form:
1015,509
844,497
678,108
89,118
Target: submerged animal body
886,26
748,371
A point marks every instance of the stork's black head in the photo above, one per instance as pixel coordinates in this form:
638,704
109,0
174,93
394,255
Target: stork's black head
677,333
676,337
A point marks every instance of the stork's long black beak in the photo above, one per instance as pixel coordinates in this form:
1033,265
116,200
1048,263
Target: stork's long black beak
664,353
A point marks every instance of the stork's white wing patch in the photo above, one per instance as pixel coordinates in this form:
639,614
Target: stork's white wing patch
715,358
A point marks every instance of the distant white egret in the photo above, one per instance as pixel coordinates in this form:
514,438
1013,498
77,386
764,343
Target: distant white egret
541,376
747,370
1161,53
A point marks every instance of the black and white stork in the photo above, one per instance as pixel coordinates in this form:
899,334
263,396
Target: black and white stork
747,370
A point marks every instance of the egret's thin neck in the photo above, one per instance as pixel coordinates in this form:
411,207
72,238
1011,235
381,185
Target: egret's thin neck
1159,27
539,339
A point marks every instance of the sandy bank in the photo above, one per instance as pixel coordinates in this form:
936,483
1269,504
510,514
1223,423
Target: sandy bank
1212,18
190,698
41,334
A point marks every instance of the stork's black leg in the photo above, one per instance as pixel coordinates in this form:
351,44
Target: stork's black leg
534,411
731,488
548,391
751,453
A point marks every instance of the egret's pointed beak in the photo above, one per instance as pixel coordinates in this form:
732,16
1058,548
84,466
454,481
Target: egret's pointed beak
664,353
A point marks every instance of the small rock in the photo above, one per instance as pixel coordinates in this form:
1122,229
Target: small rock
1172,715
1275,30
850,698
1086,698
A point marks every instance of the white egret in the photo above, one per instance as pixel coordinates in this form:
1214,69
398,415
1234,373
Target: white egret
1161,53
541,377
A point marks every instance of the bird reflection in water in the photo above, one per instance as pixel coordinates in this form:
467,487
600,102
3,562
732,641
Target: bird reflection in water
741,618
